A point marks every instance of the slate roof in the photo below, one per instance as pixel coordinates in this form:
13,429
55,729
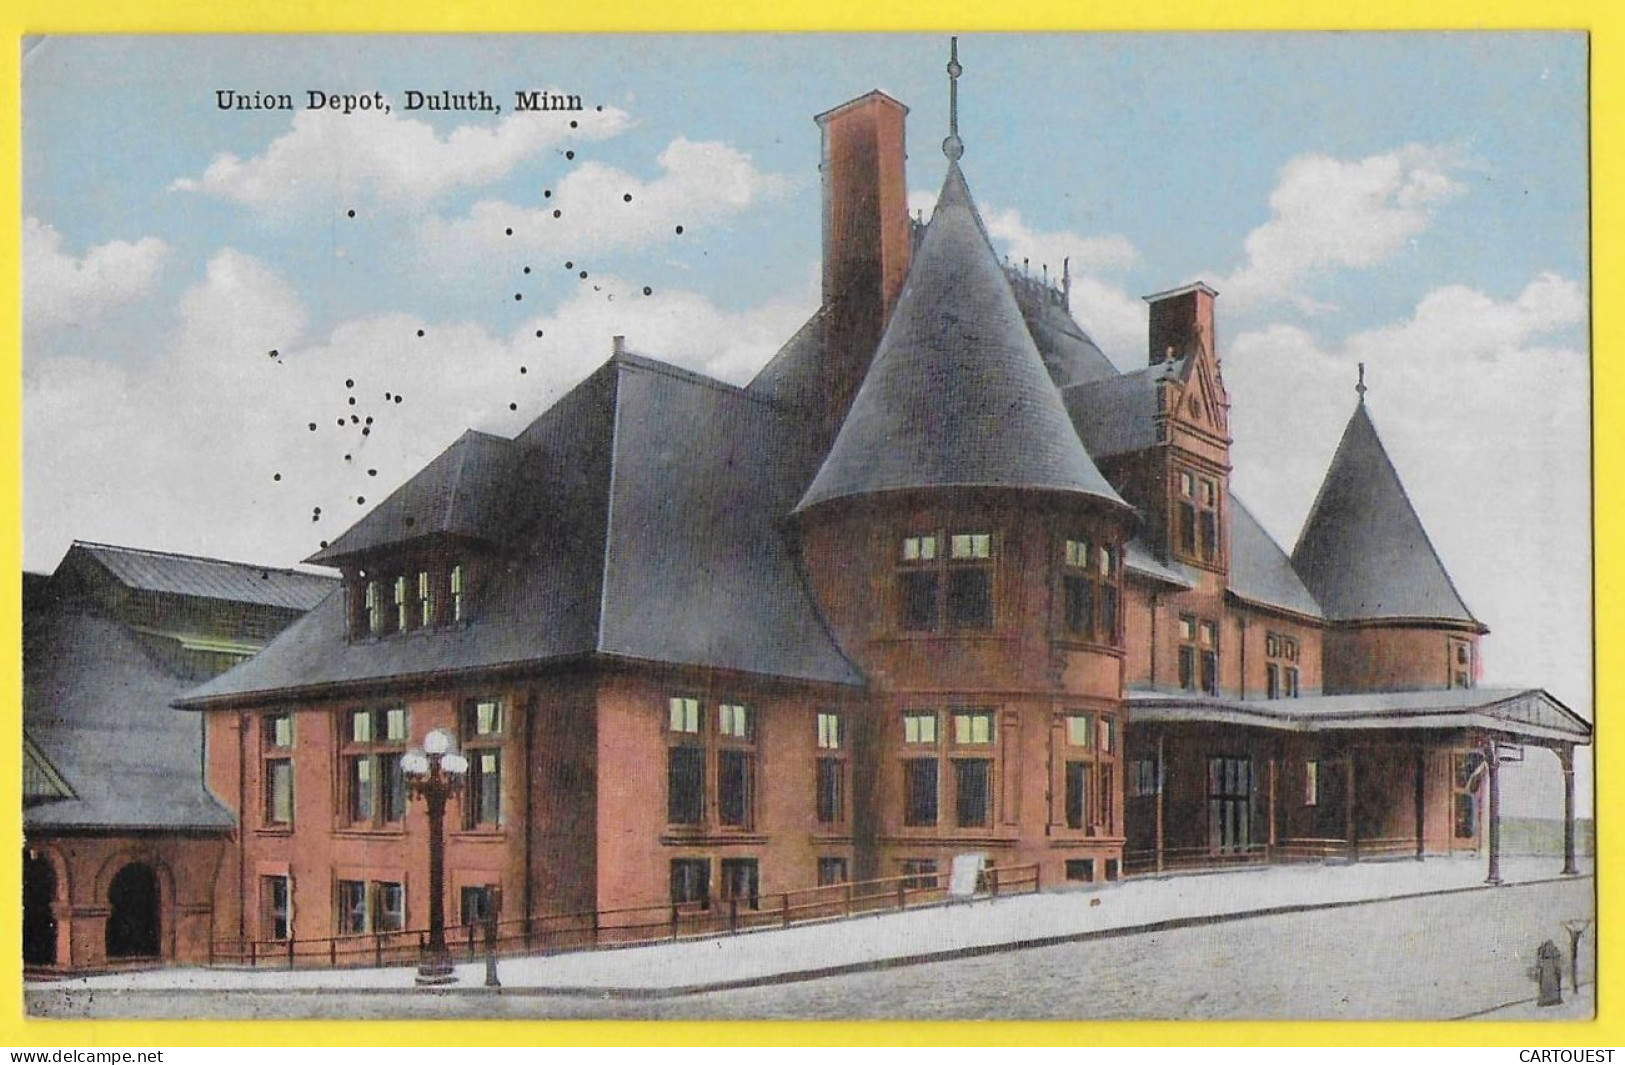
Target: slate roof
794,375
1363,552
458,494
1116,415
647,521
956,364
207,578
1260,571
1524,713
96,708
1069,352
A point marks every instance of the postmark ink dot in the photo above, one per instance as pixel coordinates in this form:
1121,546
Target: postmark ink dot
360,500
509,232
276,477
355,419
372,473
527,269
273,353
341,422
600,107
420,332
513,406
352,401
347,458
558,214
569,155
583,275
523,370
626,198
518,296
574,124
547,194
313,427
387,397
647,291
679,231
397,399
365,431
538,332
568,265
369,419
349,382
324,545
351,212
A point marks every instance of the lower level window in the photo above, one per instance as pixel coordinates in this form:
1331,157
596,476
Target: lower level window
1078,812
919,873
920,784
691,882
370,906
477,904
739,882
274,899
832,871
1082,869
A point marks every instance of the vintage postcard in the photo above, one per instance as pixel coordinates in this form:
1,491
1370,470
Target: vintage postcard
1066,526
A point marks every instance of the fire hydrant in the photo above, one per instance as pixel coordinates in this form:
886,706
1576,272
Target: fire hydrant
1549,973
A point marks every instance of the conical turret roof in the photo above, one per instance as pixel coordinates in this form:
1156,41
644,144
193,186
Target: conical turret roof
1363,553
957,394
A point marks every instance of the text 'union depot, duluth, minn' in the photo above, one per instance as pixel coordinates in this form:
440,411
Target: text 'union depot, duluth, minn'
478,101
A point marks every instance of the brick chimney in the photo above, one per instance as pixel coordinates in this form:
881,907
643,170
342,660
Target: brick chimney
867,239
1181,320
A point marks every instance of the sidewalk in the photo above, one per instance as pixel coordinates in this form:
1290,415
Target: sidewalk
954,930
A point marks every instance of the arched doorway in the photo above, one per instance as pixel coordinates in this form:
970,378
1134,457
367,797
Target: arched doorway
132,924
39,922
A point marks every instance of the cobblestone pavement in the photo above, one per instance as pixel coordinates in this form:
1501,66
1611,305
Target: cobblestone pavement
1420,958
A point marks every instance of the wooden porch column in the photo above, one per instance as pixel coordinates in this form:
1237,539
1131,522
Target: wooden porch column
1349,801
1492,758
1162,778
1421,798
1565,756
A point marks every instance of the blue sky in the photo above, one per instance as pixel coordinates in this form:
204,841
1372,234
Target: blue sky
1417,202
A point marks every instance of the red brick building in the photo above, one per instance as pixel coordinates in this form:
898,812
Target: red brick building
939,580
123,844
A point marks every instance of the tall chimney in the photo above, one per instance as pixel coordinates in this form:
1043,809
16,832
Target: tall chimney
1181,322
867,239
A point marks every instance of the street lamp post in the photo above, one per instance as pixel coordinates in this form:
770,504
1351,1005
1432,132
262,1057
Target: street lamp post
435,773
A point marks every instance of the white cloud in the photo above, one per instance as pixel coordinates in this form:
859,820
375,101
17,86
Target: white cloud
328,156
1328,213
59,289
1483,407
182,453
699,182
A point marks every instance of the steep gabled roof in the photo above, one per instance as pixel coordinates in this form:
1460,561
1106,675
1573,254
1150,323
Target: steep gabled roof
104,748
460,493
204,578
1260,571
794,375
1116,415
957,394
644,514
1363,552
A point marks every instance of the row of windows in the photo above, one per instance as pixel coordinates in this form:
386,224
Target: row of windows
1197,518
1199,659
373,785
954,589
740,879
416,599
363,907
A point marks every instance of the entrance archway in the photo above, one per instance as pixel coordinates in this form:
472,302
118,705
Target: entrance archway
133,923
39,922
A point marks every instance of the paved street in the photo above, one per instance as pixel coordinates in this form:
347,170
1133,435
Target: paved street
1427,957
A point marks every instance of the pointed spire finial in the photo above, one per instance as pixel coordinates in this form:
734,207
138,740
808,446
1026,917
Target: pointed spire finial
1360,388
952,146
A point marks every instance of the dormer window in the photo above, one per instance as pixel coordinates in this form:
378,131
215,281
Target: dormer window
1196,511
407,596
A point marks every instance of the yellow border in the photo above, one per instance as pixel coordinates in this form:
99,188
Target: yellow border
1603,18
